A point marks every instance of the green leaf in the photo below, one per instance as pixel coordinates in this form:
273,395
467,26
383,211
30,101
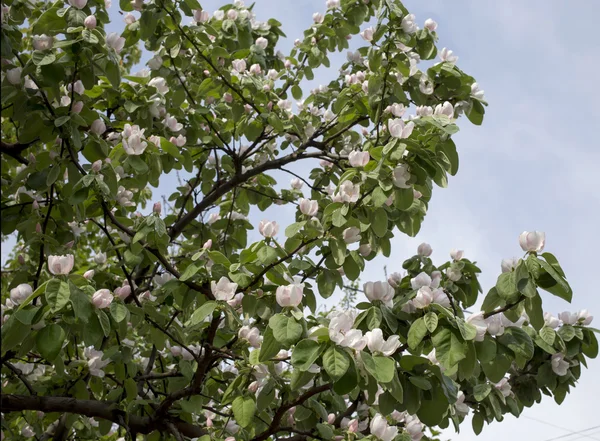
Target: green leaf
467,330
348,382
486,349
267,255
336,362
477,423
535,312
338,251
104,322
118,311
306,353
382,368
189,272
326,282
554,263
506,286
269,347
131,389
286,330
548,335
403,198
476,112
496,369
431,321
449,348
517,340
481,391
244,409
421,382
170,148
57,294
555,284
296,92
13,333
373,318
202,312
49,341
379,222
61,120
416,333
294,228
50,22
40,58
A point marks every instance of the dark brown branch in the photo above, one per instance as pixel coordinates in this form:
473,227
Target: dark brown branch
36,279
21,377
504,308
275,424
233,182
95,409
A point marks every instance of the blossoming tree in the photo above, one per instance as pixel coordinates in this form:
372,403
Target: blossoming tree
172,325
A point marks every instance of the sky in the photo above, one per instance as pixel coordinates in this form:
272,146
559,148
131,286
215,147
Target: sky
530,166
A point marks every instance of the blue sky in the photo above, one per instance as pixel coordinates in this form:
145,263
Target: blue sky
530,166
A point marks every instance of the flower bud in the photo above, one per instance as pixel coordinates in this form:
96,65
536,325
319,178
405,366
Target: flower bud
35,205
424,250
532,241
253,387
14,76
157,208
89,274
268,228
38,228
90,22
364,250
97,166
21,259
207,245
77,107
290,295
70,244
79,4
351,235
102,298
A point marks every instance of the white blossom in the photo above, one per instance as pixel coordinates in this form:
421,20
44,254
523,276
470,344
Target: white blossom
448,56
224,289
381,291
377,344
398,129
424,250
532,241
358,159
268,228
61,265
559,366
115,41
20,293
351,235
341,332
290,295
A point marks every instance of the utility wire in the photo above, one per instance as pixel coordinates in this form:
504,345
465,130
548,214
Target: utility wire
576,433
580,432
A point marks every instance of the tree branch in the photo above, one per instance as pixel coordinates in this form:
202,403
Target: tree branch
274,427
97,409
504,308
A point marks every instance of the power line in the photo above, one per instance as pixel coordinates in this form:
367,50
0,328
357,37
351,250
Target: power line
579,432
575,433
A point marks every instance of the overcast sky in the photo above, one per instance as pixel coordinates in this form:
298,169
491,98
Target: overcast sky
530,166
